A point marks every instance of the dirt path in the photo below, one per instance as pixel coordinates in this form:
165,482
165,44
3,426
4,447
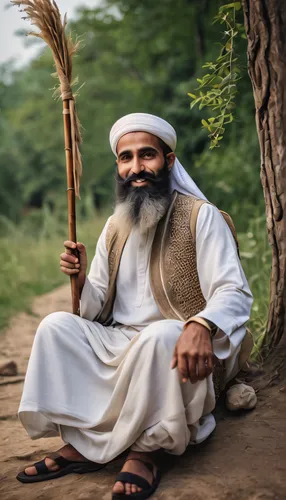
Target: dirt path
245,459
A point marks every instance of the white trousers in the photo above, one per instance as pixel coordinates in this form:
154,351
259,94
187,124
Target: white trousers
105,389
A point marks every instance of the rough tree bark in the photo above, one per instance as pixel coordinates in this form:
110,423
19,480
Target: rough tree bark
265,25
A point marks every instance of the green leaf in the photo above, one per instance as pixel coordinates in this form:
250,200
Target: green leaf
234,5
195,102
205,124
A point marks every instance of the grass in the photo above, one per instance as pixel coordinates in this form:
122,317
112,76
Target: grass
29,262
256,262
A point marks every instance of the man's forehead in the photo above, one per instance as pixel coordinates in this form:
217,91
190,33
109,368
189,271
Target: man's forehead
137,140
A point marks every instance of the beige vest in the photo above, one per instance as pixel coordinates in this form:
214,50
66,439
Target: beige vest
173,269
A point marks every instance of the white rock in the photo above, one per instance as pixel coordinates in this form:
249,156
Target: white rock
241,397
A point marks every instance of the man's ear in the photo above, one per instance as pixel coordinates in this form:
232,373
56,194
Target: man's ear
170,157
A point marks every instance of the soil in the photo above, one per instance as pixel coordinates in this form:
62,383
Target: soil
244,459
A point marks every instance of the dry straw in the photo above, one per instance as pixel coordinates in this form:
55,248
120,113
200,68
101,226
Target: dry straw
45,15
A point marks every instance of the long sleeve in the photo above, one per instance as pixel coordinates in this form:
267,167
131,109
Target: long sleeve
222,280
96,283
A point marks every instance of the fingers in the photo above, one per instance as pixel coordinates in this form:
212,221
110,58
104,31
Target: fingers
82,255
69,265
193,354
183,368
210,364
192,369
201,371
81,248
70,244
74,259
175,359
66,257
200,368
69,271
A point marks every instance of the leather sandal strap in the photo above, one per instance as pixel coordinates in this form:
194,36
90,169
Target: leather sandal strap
129,477
41,467
58,459
62,461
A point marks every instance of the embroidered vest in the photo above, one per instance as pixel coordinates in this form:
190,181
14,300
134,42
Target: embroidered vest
173,265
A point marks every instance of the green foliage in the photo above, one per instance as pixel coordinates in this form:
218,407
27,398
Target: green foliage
129,62
256,261
230,175
218,88
30,259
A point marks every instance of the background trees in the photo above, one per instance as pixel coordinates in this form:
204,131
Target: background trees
137,56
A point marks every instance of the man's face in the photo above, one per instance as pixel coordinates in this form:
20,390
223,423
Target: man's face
143,180
139,154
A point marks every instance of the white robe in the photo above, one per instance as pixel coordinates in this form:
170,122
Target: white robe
105,389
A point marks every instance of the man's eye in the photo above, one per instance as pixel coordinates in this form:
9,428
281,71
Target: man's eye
148,154
125,158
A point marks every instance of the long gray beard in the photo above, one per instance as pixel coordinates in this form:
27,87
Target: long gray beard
151,211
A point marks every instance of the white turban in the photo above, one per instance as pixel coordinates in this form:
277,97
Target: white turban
143,122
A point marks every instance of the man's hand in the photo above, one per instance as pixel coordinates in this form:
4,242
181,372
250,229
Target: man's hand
70,264
193,353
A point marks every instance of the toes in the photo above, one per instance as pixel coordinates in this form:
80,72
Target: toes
31,471
52,466
118,487
131,488
128,488
134,488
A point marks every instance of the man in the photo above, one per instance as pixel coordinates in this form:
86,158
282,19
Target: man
165,296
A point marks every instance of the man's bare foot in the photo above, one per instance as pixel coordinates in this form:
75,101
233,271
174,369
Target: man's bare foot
68,452
136,467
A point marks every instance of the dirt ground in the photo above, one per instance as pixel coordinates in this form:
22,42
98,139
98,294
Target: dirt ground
244,459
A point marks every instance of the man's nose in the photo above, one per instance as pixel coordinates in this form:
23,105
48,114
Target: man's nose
137,165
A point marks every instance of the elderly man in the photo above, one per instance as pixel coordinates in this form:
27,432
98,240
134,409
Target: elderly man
163,313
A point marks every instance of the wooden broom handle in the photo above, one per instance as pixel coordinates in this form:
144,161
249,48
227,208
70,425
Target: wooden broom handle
71,201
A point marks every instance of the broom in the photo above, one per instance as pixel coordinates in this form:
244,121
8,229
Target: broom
45,15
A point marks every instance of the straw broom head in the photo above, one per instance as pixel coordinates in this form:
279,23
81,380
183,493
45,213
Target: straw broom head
45,15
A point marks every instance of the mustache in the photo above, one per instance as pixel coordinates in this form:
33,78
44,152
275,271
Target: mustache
146,176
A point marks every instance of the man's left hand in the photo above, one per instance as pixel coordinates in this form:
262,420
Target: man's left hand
193,353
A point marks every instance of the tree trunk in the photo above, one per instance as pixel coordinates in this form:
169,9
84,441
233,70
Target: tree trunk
265,25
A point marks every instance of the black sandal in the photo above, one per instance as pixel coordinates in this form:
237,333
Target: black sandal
66,467
129,477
